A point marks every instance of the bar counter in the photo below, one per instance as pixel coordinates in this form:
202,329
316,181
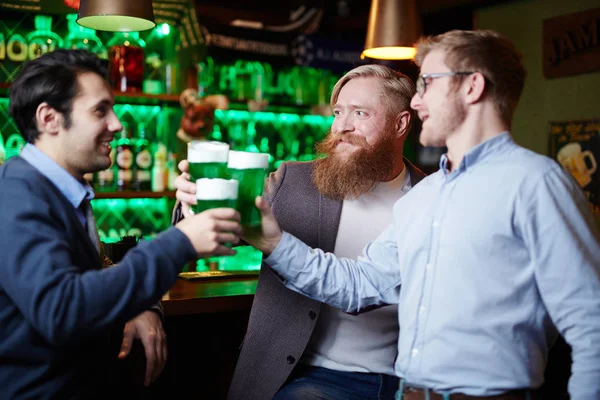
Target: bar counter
205,321
212,295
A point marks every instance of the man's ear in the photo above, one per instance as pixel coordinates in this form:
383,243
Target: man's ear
475,88
47,119
403,123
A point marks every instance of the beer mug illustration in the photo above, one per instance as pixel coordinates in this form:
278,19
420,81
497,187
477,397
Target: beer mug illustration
573,159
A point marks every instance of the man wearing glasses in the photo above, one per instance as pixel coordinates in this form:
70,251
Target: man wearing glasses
498,255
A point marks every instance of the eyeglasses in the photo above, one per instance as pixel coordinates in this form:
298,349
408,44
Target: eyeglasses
422,80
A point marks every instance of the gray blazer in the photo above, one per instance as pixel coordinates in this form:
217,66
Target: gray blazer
282,321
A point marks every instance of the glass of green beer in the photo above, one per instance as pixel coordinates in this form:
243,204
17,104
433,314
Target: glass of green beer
207,159
214,193
250,170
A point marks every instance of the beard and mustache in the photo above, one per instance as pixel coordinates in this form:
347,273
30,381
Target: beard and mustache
348,177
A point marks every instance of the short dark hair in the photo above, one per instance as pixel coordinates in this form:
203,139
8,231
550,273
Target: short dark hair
50,78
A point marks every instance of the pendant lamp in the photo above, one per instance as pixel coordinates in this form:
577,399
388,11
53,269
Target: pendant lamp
394,27
116,15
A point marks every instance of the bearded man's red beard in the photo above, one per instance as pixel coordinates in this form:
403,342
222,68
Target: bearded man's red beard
348,177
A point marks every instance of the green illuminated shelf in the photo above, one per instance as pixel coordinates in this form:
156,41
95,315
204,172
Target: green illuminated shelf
121,97
134,195
145,98
133,98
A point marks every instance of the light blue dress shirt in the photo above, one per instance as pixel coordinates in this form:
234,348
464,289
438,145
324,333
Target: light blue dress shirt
70,187
491,257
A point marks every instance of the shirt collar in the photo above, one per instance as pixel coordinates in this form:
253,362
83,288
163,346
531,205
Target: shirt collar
396,183
70,187
479,153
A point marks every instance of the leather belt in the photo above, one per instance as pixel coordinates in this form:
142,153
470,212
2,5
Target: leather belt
421,394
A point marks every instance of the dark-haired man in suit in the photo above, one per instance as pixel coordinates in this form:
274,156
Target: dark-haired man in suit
57,305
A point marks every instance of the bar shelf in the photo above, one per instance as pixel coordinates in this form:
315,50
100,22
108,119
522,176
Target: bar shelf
135,195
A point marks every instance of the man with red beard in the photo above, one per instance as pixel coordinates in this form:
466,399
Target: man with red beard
296,347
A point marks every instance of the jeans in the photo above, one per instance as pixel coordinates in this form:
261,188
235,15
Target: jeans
312,383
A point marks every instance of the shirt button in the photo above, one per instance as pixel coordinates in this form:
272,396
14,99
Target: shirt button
422,309
435,224
291,359
428,267
312,315
415,352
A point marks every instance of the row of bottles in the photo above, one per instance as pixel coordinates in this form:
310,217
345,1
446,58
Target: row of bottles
138,164
257,80
43,40
150,65
287,137
124,50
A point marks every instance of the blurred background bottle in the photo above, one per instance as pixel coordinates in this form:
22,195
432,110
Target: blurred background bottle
42,40
124,160
83,38
143,161
105,180
126,59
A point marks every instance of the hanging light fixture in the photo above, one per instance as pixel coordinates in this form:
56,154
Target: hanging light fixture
394,27
116,15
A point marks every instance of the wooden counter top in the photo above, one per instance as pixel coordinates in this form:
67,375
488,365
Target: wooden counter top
209,296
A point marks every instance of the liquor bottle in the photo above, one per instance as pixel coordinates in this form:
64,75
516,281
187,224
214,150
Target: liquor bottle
206,71
171,170
105,180
159,170
126,59
124,160
43,40
16,48
143,161
80,37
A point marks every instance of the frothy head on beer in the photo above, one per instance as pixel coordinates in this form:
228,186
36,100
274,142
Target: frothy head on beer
207,152
247,160
216,189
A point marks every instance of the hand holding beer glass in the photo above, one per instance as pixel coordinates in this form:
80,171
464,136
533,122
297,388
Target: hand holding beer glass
208,169
250,170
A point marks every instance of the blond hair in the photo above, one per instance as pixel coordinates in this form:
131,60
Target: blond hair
487,52
396,89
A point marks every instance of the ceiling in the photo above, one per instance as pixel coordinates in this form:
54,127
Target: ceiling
330,17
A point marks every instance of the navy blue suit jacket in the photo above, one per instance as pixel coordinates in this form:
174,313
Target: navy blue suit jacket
57,306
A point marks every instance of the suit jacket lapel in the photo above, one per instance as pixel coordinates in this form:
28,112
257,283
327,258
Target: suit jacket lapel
71,215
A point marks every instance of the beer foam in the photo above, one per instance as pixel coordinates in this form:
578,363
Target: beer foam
216,189
207,152
247,160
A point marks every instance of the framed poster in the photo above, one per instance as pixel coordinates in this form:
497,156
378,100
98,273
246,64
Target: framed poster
576,146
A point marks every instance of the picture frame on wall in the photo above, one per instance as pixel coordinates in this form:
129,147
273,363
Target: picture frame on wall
576,146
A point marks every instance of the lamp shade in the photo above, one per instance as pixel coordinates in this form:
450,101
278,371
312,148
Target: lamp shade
394,27
116,15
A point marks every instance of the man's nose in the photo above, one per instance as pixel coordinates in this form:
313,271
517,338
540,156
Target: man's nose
344,124
415,102
114,125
